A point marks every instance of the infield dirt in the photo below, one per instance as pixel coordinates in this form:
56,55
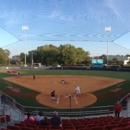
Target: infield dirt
46,84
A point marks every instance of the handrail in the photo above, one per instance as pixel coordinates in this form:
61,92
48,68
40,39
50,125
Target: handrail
23,109
125,97
99,110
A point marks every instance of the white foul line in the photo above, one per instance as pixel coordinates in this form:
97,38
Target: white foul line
75,99
58,99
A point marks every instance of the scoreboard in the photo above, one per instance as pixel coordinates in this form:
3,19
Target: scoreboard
97,62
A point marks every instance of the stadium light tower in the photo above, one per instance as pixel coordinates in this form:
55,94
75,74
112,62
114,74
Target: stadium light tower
25,29
107,29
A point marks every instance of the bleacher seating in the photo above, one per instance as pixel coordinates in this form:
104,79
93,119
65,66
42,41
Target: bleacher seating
4,118
101,123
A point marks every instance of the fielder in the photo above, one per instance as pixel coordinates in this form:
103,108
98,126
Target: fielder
63,81
78,90
34,76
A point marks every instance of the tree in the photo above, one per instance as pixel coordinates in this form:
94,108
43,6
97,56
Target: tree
69,55
3,57
15,59
47,54
63,55
115,60
88,59
127,55
104,57
22,57
7,53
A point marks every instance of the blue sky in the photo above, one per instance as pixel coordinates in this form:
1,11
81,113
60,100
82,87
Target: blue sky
78,22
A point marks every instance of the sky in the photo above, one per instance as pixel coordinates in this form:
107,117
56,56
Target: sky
81,23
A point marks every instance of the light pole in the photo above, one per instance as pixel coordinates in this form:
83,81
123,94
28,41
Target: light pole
107,29
70,96
25,29
32,58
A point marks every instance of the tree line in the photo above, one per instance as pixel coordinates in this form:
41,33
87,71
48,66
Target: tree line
65,55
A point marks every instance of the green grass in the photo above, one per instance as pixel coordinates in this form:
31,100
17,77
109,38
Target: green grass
108,97
25,97
105,96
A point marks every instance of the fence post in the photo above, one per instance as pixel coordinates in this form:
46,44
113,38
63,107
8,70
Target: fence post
14,105
0,97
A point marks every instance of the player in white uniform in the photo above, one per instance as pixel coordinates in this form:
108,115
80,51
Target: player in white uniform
78,90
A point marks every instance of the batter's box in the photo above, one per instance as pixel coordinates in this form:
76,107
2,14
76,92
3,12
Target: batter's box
61,96
73,96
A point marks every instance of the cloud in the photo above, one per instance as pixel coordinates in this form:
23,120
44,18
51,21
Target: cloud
55,14
114,5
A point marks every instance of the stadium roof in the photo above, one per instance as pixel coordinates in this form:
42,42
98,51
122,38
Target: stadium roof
64,20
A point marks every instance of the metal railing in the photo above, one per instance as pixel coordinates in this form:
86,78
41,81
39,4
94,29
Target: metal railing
76,113
63,112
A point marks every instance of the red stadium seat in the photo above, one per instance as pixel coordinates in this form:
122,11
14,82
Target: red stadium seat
40,129
122,124
98,128
2,119
127,127
26,128
20,124
68,127
119,128
4,129
109,127
56,128
79,126
91,125
48,127
25,122
83,129
8,119
13,127
34,126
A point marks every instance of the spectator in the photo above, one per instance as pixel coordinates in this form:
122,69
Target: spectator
39,116
29,117
118,109
44,121
56,120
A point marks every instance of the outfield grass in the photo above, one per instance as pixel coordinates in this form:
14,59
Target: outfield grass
105,96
